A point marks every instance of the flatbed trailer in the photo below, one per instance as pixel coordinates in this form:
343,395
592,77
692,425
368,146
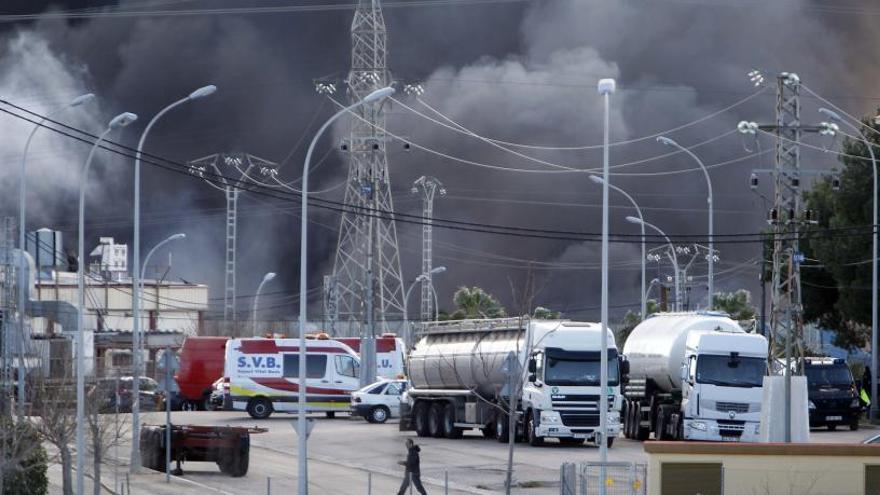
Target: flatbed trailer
228,446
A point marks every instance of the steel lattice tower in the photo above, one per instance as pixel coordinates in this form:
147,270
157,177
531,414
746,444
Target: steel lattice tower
367,278
785,316
428,187
228,173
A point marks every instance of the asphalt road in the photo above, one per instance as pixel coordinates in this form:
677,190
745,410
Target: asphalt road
343,451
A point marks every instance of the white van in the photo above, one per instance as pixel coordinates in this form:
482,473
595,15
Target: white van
263,375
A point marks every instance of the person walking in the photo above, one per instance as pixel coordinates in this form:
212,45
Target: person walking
413,470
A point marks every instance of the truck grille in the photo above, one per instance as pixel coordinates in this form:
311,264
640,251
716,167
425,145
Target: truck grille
570,402
731,427
578,419
737,407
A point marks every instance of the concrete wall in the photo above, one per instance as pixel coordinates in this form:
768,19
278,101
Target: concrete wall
772,469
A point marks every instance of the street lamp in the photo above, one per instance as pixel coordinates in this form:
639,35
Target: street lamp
420,278
672,256
669,142
266,278
598,180
874,340
22,192
118,122
605,88
135,463
301,427
654,282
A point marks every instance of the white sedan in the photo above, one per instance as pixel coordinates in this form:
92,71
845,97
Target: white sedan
378,401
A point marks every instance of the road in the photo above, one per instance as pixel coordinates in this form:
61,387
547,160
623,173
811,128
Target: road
343,451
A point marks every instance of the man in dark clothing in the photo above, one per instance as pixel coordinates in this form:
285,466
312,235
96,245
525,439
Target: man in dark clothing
413,470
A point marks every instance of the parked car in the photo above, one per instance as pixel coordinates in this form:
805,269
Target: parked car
218,392
378,401
872,440
151,399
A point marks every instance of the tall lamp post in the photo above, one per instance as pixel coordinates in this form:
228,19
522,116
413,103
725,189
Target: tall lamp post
118,122
673,257
598,180
420,278
135,462
874,340
669,142
301,426
22,226
605,87
266,278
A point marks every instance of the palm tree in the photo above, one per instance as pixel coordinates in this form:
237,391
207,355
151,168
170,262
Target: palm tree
474,302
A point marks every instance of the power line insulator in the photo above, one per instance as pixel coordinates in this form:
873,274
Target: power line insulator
753,181
791,215
773,215
795,182
835,183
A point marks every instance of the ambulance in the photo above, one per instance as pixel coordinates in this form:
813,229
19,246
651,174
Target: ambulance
262,376
389,354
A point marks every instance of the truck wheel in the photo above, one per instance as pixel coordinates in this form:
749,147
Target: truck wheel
628,420
501,428
420,418
330,414
488,431
642,432
531,434
206,404
449,428
435,420
235,461
259,408
660,432
378,414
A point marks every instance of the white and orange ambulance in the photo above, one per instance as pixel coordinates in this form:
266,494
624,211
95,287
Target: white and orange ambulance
262,375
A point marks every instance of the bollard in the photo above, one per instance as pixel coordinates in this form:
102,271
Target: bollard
369,482
446,482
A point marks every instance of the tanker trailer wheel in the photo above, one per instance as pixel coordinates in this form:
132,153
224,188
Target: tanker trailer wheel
435,420
420,418
259,408
449,428
532,435
642,432
501,427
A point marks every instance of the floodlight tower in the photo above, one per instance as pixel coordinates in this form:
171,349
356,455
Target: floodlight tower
228,173
428,187
367,282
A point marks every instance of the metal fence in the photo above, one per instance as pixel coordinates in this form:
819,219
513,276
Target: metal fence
619,478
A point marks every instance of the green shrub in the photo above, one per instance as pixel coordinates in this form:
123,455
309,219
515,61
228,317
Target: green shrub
24,458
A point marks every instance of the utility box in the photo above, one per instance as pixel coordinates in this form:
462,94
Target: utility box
773,410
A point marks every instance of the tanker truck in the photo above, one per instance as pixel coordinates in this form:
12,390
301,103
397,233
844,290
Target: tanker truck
461,379
693,376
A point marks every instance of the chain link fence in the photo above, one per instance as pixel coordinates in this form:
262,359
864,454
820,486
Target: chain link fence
619,478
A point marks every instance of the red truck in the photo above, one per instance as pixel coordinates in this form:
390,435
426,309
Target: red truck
201,364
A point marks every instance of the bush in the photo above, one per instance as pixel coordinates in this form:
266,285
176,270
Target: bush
24,459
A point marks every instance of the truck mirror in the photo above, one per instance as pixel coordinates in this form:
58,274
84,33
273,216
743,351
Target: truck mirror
532,378
533,366
624,367
684,373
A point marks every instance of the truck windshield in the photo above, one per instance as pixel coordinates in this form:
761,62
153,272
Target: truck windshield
731,371
578,372
828,376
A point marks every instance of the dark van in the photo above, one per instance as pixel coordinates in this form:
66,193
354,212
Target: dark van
834,399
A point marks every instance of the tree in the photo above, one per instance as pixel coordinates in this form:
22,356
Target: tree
474,302
23,460
837,288
104,430
542,313
736,304
631,319
54,418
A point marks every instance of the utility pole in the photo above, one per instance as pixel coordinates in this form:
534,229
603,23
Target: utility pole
788,218
228,173
428,187
367,261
